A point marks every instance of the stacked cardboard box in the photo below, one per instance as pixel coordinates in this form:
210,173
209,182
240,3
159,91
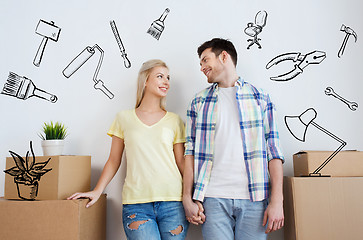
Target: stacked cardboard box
319,208
49,215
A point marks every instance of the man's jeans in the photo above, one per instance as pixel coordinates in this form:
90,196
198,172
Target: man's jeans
230,219
155,221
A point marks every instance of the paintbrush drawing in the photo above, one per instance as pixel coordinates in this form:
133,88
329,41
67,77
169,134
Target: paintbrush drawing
81,59
254,29
120,44
157,27
48,31
24,88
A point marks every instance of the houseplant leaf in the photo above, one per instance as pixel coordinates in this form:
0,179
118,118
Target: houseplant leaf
14,171
19,161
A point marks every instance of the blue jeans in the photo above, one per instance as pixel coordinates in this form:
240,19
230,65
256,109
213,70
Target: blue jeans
155,221
230,219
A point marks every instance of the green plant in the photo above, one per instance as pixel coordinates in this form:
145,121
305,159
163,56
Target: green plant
26,170
53,131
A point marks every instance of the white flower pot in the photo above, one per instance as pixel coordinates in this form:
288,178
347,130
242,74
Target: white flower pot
52,147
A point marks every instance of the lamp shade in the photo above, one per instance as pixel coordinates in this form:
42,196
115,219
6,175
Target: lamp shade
298,125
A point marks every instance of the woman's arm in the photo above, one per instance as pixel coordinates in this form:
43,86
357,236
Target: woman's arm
179,156
109,170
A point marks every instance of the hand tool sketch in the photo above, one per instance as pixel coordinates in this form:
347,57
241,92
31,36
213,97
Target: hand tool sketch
301,60
329,91
48,31
157,27
348,31
253,30
120,44
24,88
81,59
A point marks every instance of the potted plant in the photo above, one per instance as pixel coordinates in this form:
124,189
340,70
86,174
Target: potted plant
53,136
27,174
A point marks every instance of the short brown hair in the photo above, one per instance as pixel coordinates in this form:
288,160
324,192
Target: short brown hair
218,45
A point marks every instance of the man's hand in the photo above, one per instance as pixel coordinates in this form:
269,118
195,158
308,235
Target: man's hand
274,217
194,211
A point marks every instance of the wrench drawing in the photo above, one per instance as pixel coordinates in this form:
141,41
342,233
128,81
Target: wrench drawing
330,92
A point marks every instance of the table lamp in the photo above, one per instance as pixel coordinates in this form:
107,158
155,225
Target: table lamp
298,126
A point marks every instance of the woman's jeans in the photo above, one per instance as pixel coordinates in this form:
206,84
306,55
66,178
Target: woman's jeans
230,219
155,221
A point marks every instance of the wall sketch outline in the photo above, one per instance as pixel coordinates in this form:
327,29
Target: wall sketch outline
120,44
329,91
254,29
48,31
24,88
301,61
157,27
348,32
27,174
81,59
298,125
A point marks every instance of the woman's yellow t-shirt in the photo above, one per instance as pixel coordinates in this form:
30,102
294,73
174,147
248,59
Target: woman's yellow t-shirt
151,173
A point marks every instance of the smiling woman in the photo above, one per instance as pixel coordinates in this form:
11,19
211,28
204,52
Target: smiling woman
153,139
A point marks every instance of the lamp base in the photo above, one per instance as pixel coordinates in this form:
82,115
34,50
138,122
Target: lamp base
315,175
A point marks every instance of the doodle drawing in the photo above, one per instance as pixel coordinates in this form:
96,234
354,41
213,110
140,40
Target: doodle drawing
348,31
79,60
157,27
329,91
24,88
298,125
301,60
253,30
48,31
120,44
27,174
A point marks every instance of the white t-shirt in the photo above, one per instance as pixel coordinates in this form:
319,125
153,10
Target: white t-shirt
229,177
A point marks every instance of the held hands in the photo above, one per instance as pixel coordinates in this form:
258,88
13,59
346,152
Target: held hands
194,212
92,196
273,217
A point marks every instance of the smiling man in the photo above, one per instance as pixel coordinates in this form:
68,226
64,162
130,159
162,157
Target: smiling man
233,161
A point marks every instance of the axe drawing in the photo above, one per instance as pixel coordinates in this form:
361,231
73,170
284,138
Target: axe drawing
348,31
47,31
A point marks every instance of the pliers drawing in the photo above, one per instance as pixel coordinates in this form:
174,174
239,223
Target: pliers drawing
314,57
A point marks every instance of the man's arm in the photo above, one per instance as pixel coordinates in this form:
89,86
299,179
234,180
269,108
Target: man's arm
193,211
274,213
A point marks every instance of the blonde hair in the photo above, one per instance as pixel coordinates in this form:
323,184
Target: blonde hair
144,74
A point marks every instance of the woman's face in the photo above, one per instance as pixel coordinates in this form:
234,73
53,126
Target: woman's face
158,82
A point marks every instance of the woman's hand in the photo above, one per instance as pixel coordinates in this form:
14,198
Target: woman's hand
93,196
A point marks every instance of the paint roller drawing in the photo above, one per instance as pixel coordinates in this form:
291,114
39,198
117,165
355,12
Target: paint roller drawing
81,59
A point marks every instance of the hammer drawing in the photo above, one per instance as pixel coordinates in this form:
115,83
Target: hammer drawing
47,31
348,31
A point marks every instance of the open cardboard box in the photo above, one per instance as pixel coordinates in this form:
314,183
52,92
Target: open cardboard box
344,164
322,208
53,219
68,174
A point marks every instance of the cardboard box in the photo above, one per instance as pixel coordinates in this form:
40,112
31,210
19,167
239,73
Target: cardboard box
344,164
319,208
53,219
66,175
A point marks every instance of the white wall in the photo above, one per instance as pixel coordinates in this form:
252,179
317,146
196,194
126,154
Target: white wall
292,26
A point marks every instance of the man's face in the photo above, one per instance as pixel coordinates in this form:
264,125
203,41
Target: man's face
211,66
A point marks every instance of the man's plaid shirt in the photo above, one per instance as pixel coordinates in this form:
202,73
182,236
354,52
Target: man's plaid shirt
258,130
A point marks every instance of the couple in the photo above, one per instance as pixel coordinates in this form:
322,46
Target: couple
229,176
